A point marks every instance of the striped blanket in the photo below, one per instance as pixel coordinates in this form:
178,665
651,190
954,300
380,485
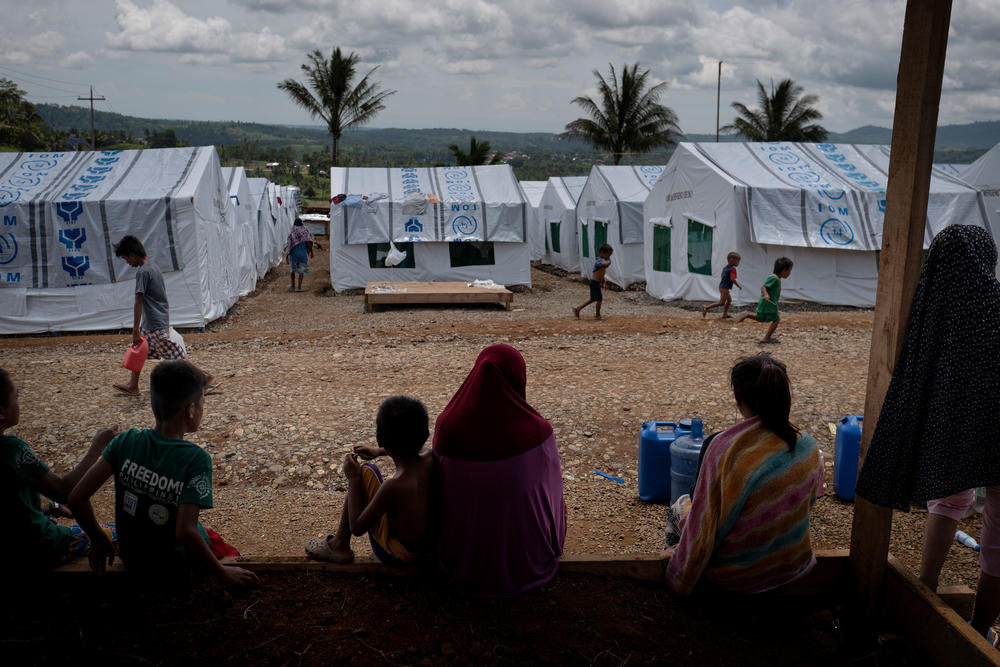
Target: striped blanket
748,527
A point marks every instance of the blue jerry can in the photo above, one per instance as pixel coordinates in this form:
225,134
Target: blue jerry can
846,451
655,438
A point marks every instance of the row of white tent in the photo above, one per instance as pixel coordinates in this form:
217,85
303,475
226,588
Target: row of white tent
212,231
822,205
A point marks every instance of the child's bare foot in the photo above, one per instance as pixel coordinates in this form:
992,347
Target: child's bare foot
598,317
727,316
126,389
704,311
742,316
576,313
327,549
770,341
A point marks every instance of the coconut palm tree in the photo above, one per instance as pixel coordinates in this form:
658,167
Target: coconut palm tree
332,97
784,115
479,153
628,117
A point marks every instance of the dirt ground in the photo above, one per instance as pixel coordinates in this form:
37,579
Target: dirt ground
308,618
303,374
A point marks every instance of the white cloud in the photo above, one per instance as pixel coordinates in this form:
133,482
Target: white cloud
77,60
468,67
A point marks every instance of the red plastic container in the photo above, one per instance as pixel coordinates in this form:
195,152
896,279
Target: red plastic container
135,355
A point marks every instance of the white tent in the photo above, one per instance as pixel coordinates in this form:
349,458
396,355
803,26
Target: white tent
63,211
533,191
950,168
260,196
453,224
557,215
821,205
246,226
984,175
610,211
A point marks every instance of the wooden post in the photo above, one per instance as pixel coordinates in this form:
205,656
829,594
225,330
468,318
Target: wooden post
918,93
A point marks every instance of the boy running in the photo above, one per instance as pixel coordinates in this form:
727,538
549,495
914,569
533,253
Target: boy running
150,313
597,281
767,305
726,284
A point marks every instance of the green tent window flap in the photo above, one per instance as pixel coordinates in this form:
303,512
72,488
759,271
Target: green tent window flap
554,231
600,235
471,253
378,251
586,241
661,248
699,248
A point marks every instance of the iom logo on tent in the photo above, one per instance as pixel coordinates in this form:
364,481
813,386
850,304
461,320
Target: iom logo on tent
465,225
76,266
8,197
8,248
413,226
73,238
836,232
69,211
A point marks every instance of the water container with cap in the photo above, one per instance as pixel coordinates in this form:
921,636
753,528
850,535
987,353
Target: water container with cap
135,355
684,454
655,438
846,450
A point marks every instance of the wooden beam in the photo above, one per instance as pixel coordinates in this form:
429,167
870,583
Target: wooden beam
933,627
918,94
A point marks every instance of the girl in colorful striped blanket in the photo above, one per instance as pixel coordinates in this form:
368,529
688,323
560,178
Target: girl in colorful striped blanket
746,527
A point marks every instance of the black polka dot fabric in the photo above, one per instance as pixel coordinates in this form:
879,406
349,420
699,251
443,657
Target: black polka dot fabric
940,423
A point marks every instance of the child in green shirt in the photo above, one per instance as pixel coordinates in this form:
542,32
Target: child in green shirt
767,304
161,483
31,538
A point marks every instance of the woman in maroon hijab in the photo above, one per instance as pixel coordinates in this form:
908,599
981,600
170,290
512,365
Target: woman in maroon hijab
503,518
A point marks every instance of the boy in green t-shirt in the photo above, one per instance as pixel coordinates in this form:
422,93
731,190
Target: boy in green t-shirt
161,482
32,539
767,304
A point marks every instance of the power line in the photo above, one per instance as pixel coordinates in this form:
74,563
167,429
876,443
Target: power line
93,132
38,76
36,83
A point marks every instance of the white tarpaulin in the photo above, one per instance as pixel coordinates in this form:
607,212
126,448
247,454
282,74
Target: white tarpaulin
826,195
984,175
63,211
533,191
246,226
430,205
769,200
557,216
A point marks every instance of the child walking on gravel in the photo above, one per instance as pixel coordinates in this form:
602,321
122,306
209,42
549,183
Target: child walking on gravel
767,305
726,284
298,250
396,512
597,281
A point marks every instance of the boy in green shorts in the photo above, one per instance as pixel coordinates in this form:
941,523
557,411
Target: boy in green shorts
31,539
161,483
767,305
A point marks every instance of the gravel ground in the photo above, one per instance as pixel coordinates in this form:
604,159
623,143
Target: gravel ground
303,375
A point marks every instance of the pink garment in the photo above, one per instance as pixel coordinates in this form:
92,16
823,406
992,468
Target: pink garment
954,506
503,523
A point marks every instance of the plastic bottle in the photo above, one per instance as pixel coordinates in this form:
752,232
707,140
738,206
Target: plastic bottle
963,537
684,454
135,355
655,438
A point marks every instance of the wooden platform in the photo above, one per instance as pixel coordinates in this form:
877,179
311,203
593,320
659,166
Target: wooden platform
433,292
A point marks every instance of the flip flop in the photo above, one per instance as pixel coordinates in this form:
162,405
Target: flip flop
770,341
121,388
318,548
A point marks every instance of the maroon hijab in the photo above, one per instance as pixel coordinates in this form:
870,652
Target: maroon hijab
488,418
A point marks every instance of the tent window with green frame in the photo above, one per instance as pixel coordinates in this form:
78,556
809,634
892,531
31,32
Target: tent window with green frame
600,235
554,230
699,248
661,248
586,241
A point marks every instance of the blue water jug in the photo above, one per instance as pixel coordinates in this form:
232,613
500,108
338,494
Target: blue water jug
655,438
684,453
683,427
846,450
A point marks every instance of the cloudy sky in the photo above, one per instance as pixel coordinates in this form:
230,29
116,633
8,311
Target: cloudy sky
477,64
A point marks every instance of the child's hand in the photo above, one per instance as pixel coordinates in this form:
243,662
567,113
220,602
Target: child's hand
237,576
352,469
366,452
136,338
102,554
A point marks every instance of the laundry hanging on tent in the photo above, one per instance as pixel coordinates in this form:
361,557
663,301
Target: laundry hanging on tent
338,198
415,204
371,204
353,201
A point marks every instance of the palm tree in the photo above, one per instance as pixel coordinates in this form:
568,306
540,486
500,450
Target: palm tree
784,115
332,98
629,118
479,153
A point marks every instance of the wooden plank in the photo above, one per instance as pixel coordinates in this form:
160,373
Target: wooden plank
434,292
918,93
960,598
934,627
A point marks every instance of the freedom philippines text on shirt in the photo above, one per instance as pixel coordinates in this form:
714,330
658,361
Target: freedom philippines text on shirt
156,486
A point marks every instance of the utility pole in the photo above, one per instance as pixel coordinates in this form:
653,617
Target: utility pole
93,133
718,101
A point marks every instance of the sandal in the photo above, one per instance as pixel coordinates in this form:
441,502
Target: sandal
770,341
318,548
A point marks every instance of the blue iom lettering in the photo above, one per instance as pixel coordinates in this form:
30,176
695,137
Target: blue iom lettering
9,220
464,207
14,277
835,210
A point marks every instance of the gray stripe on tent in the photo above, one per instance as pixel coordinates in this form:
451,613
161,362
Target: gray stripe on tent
438,208
705,156
169,201
109,251
753,232
346,210
869,161
75,166
388,187
767,169
866,225
805,230
33,242
642,180
981,201
17,158
43,243
70,174
229,183
850,185
482,200
802,213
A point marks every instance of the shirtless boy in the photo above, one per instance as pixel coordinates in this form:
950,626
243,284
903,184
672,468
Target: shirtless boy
597,281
